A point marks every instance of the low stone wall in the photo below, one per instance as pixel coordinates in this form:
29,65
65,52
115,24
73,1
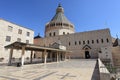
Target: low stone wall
104,73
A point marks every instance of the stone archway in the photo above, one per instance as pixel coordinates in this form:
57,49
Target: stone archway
87,49
87,54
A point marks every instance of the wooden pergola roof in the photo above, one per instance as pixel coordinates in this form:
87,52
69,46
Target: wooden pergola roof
19,45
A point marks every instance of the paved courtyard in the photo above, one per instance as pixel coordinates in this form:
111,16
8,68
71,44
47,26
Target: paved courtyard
79,69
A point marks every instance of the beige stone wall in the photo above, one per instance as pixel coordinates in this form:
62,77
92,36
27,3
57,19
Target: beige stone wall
103,71
105,52
116,55
74,42
58,32
14,35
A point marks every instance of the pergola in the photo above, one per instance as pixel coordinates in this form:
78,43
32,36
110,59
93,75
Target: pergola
33,47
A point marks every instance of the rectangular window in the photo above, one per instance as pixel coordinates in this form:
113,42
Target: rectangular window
75,43
79,42
83,42
27,41
19,31
49,34
54,34
8,38
10,28
28,33
92,41
18,39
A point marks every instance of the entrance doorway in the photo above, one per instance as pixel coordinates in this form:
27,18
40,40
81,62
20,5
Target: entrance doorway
87,55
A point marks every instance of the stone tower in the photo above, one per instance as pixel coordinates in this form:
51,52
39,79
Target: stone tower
59,24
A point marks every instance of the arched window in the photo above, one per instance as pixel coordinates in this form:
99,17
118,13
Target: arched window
50,34
63,33
83,42
88,41
92,41
107,40
102,41
61,24
75,43
79,42
57,24
97,41
54,34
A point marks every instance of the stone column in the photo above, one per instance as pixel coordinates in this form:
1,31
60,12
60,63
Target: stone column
10,56
31,56
45,56
22,56
69,56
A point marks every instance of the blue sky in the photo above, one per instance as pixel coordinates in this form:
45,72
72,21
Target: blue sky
86,15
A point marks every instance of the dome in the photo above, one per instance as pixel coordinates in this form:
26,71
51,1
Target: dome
59,21
59,16
38,36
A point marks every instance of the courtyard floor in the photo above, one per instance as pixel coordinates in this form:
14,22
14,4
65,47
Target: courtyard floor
78,69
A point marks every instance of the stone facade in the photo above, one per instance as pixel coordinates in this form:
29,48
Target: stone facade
78,43
88,44
116,55
9,33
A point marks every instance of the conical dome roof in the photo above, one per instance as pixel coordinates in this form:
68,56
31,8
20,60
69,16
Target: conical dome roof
59,22
59,16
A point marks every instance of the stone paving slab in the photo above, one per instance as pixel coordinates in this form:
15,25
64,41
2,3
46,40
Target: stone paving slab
66,70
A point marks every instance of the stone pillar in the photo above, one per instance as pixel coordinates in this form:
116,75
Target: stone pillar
69,56
31,56
10,56
22,56
45,56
